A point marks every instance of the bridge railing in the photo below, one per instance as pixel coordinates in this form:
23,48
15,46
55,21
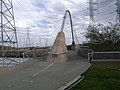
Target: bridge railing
55,55
99,56
106,56
10,58
34,54
86,53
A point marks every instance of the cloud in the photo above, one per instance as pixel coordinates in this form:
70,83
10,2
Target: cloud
44,17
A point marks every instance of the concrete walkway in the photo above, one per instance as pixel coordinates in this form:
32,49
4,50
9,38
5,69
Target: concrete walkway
41,75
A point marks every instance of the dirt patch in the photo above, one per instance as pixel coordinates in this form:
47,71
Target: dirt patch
5,70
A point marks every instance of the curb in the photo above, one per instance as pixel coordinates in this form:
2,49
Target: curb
71,83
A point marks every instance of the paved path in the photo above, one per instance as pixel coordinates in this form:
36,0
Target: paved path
41,75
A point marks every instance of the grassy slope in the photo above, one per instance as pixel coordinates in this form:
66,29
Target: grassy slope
4,70
101,76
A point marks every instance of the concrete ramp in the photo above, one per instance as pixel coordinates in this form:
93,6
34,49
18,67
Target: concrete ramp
58,53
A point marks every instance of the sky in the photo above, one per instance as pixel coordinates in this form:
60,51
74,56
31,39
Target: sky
44,18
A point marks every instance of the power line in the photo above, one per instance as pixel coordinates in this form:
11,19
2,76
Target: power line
106,15
109,5
101,3
104,10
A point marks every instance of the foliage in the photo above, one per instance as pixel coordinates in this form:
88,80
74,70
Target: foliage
105,46
103,37
100,33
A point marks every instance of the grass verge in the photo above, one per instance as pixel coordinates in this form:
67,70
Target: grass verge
4,70
101,76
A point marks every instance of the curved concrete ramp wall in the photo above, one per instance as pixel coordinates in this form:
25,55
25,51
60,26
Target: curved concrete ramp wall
58,52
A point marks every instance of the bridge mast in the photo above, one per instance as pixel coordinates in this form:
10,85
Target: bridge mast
63,23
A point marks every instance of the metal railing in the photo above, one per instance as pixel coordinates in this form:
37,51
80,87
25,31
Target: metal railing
10,58
55,54
34,54
86,53
106,55
103,56
90,56
25,54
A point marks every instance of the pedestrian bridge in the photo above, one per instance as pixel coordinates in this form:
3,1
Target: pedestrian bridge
59,70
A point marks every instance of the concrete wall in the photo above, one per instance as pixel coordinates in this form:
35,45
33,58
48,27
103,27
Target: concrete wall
59,47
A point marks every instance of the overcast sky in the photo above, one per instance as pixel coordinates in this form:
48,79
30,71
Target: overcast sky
44,19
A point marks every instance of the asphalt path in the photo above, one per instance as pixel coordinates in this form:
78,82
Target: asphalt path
41,75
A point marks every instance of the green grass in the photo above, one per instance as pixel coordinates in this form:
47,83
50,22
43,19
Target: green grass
101,76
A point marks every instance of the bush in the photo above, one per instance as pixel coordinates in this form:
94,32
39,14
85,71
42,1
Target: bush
105,46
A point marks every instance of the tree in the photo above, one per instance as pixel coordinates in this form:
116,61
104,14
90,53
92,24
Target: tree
103,37
100,33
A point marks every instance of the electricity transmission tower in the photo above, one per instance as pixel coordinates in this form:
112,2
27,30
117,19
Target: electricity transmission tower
92,8
28,41
46,42
39,41
8,35
118,10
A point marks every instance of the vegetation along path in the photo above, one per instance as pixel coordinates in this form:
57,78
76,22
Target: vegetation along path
101,76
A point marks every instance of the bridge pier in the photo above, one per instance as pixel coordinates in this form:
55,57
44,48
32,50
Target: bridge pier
58,53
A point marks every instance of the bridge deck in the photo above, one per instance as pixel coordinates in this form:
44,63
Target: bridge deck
41,75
